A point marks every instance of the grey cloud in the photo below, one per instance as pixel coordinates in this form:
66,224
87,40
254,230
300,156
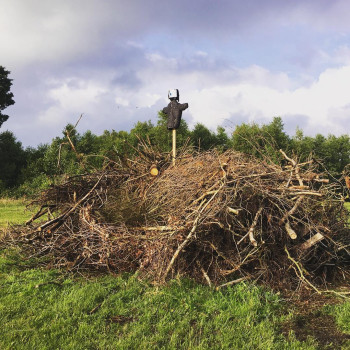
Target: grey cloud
127,79
73,42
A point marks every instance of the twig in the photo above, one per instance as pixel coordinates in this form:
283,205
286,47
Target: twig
251,230
181,246
204,273
189,236
292,211
300,274
233,211
295,167
47,283
238,280
65,214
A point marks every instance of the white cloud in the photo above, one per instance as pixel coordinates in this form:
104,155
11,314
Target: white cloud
122,101
76,98
109,60
256,95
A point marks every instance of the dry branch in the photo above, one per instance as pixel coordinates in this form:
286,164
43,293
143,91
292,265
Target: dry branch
250,232
312,241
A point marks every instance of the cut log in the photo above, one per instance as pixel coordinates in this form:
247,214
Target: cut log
312,241
291,233
154,170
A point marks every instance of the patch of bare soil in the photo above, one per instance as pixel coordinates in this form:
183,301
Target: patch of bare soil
311,321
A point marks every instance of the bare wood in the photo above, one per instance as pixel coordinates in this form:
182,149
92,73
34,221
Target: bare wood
209,191
72,145
203,196
154,171
76,124
238,280
312,241
298,187
298,176
159,228
204,273
59,153
292,211
347,181
307,193
251,230
299,271
291,233
326,181
233,211
295,167
40,213
288,158
181,246
174,146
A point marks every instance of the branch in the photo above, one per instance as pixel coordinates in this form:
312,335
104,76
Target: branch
251,230
312,241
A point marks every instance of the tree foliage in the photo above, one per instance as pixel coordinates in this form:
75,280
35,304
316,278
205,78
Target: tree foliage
261,141
6,96
12,160
74,153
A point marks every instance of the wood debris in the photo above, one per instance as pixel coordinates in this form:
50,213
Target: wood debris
214,217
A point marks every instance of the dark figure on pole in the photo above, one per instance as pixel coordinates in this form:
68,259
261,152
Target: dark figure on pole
174,110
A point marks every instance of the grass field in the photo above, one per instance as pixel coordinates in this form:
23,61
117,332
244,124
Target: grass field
50,309
44,309
13,212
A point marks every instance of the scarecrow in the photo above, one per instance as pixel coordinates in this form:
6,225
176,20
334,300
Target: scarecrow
174,110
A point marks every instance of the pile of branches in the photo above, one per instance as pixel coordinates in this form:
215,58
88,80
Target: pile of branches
218,218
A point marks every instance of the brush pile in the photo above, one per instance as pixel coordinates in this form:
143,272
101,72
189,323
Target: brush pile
219,218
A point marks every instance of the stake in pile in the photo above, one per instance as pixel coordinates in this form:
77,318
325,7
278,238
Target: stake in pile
174,146
218,218
174,113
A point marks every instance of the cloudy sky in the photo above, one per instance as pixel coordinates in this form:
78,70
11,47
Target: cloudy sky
233,61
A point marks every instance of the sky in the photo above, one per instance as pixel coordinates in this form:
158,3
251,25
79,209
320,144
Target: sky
233,61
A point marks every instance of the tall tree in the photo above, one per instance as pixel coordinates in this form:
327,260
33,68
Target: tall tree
202,137
12,159
261,141
6,96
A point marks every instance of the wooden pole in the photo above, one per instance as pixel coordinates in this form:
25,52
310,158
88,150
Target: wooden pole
174,146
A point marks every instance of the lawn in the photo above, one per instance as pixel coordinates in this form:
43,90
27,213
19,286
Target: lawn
13,212
46,309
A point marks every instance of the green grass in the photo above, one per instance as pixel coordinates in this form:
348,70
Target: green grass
342,315
13,211
46,309
43,309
